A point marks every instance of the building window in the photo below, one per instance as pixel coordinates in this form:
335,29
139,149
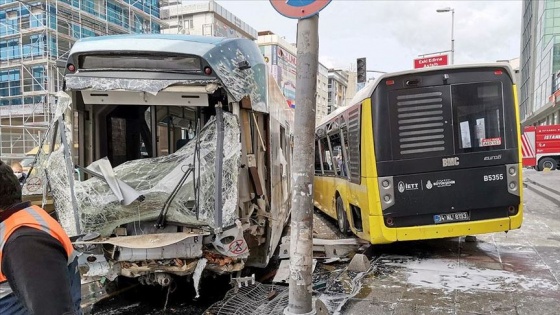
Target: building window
326,156
188,23
38,78
37,20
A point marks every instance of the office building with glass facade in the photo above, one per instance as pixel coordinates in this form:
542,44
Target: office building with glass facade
539,82
33,36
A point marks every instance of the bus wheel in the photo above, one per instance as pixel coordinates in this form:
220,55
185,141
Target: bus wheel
343,224
549,163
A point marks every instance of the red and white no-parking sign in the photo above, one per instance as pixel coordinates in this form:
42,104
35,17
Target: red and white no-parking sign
299,9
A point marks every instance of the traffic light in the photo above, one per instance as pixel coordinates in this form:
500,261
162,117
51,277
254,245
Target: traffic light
361,70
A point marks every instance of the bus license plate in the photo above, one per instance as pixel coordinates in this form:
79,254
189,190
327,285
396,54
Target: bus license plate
451,217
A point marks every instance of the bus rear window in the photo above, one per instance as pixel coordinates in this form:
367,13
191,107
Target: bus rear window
478,116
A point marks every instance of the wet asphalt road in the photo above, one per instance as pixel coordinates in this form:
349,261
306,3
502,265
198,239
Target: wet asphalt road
513,273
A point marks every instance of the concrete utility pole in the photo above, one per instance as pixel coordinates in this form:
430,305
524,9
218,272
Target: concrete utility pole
301,233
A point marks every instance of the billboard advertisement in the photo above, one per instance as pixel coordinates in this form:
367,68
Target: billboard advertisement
433,61
283,69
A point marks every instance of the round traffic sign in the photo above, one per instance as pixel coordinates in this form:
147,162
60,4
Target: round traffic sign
299,9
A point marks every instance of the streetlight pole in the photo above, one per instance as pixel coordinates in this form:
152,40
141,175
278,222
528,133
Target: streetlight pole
452,36
448,9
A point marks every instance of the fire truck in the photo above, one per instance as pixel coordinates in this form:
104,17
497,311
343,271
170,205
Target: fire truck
541,147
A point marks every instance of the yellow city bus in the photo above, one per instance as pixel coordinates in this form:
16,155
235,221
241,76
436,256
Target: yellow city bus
423,154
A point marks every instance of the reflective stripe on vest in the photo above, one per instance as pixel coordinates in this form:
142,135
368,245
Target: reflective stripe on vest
37,218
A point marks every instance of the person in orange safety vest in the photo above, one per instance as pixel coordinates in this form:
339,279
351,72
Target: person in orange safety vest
38,264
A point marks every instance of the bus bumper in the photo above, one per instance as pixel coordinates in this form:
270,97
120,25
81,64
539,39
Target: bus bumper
389,235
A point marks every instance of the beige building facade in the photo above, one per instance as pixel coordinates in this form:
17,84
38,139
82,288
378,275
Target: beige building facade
338,87
204,19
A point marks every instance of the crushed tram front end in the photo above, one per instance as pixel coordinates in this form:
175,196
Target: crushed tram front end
171,155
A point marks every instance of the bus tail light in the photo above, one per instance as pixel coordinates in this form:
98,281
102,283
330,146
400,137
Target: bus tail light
498,72
512,210
386,192
512,173
71,68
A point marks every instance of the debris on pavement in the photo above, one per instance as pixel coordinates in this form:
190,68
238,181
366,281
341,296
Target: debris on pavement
343,286
359,263
336,248
283,272
327,248
256,299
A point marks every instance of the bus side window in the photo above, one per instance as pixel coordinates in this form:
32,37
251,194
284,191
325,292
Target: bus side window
318,168
345,153
338,157
352,141
326,157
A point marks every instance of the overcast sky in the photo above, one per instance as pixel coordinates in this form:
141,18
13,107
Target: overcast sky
390,34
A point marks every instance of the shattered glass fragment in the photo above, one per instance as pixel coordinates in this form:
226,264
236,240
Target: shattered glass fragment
139,85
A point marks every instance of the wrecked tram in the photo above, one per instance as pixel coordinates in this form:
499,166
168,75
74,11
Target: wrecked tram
171,156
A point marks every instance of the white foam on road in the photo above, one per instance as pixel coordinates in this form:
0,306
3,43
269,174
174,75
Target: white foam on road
448,275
